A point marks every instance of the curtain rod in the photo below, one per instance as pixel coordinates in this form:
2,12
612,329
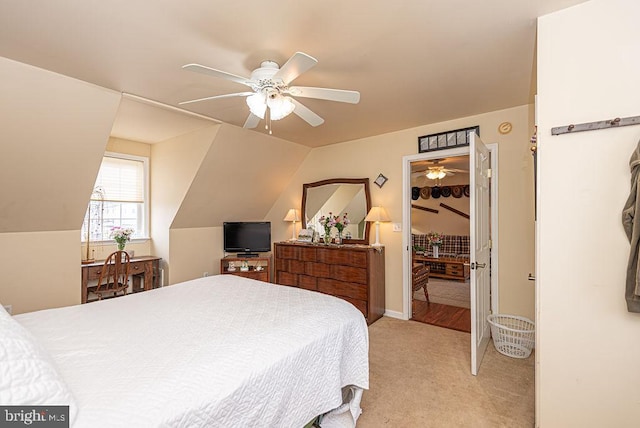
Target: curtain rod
592,126
168,107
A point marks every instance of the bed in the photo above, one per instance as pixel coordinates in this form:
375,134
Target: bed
221,351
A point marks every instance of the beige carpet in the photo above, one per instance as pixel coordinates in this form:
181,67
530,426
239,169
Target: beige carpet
453,293
420,377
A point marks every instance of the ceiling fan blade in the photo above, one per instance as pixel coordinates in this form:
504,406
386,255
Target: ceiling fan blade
252,121
340,95
238,94
307,115
294,67
217,73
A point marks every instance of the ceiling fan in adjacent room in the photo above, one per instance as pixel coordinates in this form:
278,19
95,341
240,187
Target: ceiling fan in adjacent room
271,97
434,171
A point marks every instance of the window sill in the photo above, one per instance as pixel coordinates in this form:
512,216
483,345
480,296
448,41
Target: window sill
112,242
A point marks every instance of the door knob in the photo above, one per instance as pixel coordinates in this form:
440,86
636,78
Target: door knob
478,265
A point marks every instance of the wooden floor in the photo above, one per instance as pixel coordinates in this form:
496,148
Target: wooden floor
446,316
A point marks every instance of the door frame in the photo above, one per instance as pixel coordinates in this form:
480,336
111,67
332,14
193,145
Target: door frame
407,295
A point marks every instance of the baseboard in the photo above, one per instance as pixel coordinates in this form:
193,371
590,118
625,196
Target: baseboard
395,314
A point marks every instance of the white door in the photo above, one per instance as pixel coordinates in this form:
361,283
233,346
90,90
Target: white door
479,174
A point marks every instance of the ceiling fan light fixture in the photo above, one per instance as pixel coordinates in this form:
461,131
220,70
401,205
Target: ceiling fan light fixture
434,174
257,104
280,106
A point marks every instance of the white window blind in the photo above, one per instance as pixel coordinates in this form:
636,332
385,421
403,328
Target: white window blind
121,180
118,198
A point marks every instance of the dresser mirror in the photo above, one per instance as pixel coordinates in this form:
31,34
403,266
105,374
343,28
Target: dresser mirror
338,196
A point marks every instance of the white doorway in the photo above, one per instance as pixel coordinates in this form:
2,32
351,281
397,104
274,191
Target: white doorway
492,290
441,282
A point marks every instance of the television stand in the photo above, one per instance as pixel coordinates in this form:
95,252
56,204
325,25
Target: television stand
233,265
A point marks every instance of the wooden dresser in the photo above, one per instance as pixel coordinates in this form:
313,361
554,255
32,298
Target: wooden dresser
354,273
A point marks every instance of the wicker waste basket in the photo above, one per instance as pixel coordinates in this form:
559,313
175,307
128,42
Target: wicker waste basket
513,336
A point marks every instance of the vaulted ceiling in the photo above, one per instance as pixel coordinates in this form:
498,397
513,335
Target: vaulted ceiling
414,62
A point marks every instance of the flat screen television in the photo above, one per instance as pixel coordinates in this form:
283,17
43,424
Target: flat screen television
247,238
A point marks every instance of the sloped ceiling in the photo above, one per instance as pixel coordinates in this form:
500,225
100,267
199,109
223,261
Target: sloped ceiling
414,62
53,136
239,179
148,122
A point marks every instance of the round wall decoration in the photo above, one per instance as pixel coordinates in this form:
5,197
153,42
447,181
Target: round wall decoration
505,127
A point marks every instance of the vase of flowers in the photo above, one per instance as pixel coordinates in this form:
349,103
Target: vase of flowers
435,240
333,221
340,224
121,235
327,223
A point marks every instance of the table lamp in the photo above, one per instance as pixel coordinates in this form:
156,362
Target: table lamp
293,215
377,214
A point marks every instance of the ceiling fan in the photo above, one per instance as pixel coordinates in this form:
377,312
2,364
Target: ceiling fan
437,171
272,97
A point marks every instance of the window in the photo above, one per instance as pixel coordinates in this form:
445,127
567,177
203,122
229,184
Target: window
119,198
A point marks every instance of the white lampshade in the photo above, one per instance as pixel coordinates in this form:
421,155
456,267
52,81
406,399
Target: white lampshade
436,174
292,215
377,214
280,106
257,104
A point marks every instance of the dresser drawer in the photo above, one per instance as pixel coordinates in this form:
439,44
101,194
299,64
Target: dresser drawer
307,282
285,252
308,254
296,266
321,270
349,274
286,278
94,272
342,289
334,256
282,265
455,270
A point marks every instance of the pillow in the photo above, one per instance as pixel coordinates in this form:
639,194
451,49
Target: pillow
27,373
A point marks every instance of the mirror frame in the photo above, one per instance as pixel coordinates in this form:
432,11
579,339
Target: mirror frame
367,193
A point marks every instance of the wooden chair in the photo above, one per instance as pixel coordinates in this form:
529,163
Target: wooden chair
420,278
114,276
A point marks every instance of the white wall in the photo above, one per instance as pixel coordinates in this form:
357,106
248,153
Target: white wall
175,163
588,345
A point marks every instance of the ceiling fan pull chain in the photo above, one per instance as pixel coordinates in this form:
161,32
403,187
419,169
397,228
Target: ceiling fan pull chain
268,125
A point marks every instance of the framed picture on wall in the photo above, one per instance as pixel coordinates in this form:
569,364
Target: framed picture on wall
446,140
380,180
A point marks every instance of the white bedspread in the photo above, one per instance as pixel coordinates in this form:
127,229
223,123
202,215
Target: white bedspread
221,351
